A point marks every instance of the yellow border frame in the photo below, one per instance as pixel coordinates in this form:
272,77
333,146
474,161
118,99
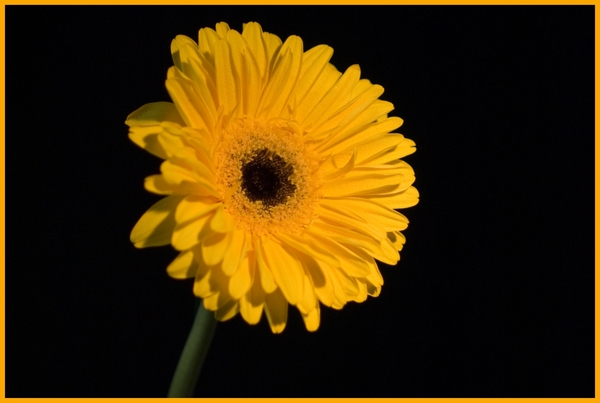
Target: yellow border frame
303,2
291,2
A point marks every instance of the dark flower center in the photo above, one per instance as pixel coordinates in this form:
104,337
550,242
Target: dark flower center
266,178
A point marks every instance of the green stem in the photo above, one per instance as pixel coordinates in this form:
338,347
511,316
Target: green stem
193,354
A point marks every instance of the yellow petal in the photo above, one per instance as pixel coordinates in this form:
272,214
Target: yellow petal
195,159
266,276
396,167
222,29
241,280
237,251
237,47
405,148
350,262
323,286
171,141
362,293
286,268
337,166
276,308
157,184
348,283
218,300
308,301
312,319
375,111
349,112
362,85
372,289
374,278
187,235
184,266
194,206
404,199
397,239
207,37
211,302
384,156
390,251
204,157
350,237
253,35
308,247
186,100
374,274
204,88
222,221
335,98
339,295
248,79
153,114
188,52
372,211
282,81
202,284
350,139
330,211
272,46
175,173
364,184
219,285
146,137
227,310
313,64
325,81
156,226
251,83
214,247
177,44
197,86
251,304
390,168
372,149
226,81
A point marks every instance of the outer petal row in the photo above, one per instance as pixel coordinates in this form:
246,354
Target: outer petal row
156,226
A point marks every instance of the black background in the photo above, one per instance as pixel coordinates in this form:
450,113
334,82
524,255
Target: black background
494,295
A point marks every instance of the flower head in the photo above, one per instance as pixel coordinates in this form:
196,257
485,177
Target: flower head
281,176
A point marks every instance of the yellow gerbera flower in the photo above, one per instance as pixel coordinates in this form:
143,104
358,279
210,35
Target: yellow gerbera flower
281,176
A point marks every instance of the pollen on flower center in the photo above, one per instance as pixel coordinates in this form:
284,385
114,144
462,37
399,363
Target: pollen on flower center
268,176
